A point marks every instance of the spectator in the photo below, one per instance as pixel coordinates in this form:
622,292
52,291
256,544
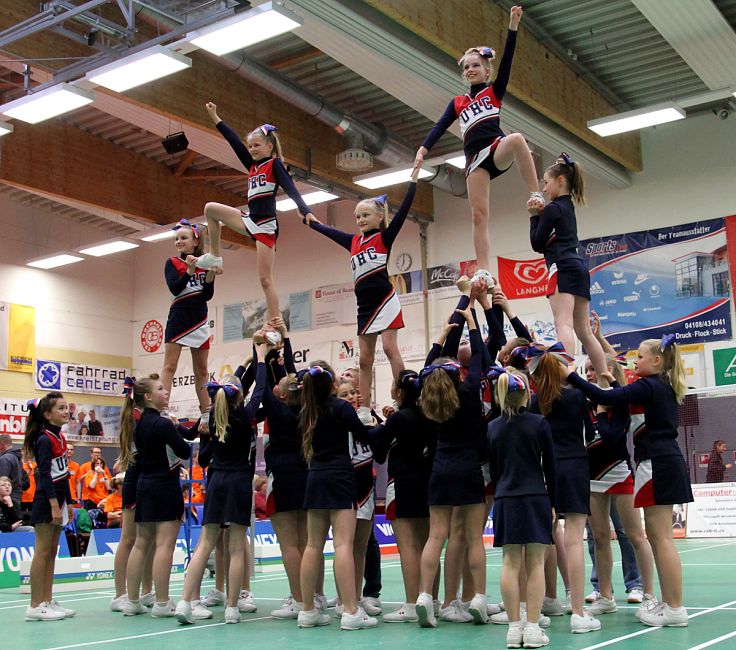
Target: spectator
74,475
113,504
26,499
96,484
95,426
94,454
716,467
260,486
11,466
10,521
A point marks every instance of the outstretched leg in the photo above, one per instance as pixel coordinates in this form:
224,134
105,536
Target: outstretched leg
515,148
265,258
479,188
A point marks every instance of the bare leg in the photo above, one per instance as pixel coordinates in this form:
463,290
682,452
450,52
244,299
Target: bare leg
172,352
286,525
217,214
631,519
600,506
247,561
658,521
510,581
201,377
237,571
367,346
514,147
166,534
145,539
360,545
220,570
122,552
265,258
474,516
439,529
574,527
534,563
479,188
195,570
318,524
454,557
581,323
389,339
563,306
411,535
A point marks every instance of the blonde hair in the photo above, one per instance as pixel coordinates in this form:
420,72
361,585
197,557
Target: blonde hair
272,139
380,208
616,370
485,58
511,402
673,367
7,481
223,404
127,418
439,399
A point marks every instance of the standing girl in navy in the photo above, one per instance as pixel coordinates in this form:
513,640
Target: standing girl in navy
661,477
379,309
45,442
188,325
553,232
488,151
262,157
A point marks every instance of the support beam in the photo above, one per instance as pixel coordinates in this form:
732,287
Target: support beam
185,163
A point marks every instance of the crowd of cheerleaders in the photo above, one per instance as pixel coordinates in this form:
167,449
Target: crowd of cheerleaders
486,421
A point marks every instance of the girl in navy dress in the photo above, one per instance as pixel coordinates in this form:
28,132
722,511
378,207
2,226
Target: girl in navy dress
261,155
488,151
188,325
228,500
661,478
379,309
554,233
522,462
45,442
326,423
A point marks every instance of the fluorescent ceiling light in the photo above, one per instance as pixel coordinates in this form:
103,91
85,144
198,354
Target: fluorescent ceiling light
165,234
109,248
388,177
244,29
5,128
139,68
47,103
638,119
313,198
55,260
457,161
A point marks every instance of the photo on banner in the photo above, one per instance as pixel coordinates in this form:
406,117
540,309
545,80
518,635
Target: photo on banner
300,311
242,319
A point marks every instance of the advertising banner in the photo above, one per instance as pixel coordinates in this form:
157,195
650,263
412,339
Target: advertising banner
79,378
242,319
334,304
713,513
522,278
17,337
300,308
19,547
724,366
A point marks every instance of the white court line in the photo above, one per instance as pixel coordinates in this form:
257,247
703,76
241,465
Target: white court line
654,629
713,641
695,550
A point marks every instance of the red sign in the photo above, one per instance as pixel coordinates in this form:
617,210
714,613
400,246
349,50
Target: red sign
522,278
152,336
13,424
703,460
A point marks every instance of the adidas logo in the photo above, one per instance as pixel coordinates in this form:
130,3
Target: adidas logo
596,288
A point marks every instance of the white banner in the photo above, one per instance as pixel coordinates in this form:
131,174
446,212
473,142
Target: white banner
79,378
334,304
713,513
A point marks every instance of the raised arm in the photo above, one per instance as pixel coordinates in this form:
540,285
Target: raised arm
284,180
639,392
344,239
504,68
233,139
389,235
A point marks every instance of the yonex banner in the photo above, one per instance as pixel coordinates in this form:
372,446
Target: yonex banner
17,547
79,378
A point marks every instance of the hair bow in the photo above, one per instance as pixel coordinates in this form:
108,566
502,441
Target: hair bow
410,379
184,223
516,382
486,52
319,370
667,341
129,387
621,360
535,353
450,366
231,390
380,200
267,128
566,158
33,403
494,372
520,351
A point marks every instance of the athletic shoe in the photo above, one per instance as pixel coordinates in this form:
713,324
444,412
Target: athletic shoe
208,261
371,605
331,602
200,612
290,609
515,635
455,613
339,609
407,613
68,613
636,595
320,602
665,616
479,609
358,621
425,611
534,636
246,602
603,606
43,613
116,604
273,338
184,613
648,603
163,610
482,274
148,600
312,618
502,618
552,607
365,416
214,598
493,608
592,596
583,624
232,615
133,608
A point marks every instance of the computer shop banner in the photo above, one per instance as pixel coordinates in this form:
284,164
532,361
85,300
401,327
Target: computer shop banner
669,280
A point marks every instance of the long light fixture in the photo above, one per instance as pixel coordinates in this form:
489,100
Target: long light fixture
54,261
313,198
5,128
244,29
47,103
109,248
457,161
388,177
139,68
169,233
637,119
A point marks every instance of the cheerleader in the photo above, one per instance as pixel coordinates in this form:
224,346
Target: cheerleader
262,157
524,504
661,478
187,325
379,309
45,442
488,151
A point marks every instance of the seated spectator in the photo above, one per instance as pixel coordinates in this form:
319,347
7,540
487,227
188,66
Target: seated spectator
113,503
260,487
10,521
96,484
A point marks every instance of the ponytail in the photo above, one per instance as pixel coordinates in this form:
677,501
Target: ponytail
227,395
317,387
408,383
565,166
37,422
512,389
673,367
547,382
268,133
135,391
438,398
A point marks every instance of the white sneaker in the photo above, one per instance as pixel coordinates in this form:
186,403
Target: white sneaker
200,612
133,608
425,611
312,618
407,613
339,609
364,415
148,600
68,613
636,595
552,607
184,613
246,602
358,621
163,610
232,615
455,613
43,613
208,261
515,635
648,603
482,274
602,606
371,605
534,636
213,598
665,616
479,609
116,604
493,608
583,624
592,596
332,602
320,602
273,338
503,618
290,609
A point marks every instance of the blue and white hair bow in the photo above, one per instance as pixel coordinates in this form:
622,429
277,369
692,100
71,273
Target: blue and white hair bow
516,382
535,353
411,379
184,223
231,390
129,387
268,128
380,200
450,366
33,403
667,341
314,371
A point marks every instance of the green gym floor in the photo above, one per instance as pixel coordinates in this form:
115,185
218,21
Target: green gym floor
710,596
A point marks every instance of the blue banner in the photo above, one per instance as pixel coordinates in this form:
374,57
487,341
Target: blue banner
17,547
669,280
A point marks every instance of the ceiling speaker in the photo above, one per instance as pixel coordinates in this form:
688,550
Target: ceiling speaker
175,142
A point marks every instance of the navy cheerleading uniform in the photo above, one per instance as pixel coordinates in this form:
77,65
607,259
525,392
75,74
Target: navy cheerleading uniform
522,461
571,425
554,233
130,483
379,308
331,478
264,179
404,443
160,445
52,475
479,113
661,476
187,323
